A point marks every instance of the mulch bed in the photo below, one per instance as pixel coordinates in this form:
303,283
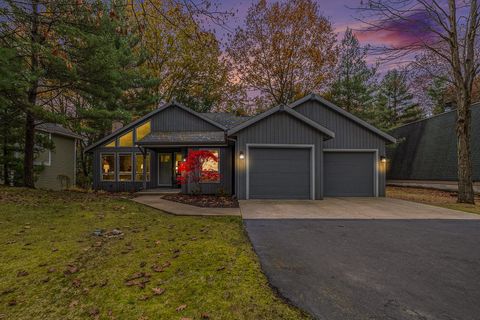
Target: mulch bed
203,200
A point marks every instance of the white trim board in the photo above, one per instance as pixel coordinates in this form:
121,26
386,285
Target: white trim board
280,146
376,163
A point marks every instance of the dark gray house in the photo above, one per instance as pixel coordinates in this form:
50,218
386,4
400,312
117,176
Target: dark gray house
306,150
427,149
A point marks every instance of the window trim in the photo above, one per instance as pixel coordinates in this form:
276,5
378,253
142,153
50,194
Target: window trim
219,171
131,161
149,156
124,134
114,144
114,169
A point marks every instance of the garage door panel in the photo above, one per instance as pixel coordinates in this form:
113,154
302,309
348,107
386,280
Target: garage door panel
349,174
279,173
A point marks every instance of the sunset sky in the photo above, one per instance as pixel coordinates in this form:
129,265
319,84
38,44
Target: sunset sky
342,14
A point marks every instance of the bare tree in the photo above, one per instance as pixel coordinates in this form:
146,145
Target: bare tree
446,30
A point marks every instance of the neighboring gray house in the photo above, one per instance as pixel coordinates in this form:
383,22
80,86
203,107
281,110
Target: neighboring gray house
427,149
57,167
307,150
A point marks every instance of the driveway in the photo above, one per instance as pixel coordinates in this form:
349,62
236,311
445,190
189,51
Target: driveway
347,208
392,268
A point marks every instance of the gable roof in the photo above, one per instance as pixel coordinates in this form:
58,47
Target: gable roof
226,119
344,113
328,133
55,128
149,115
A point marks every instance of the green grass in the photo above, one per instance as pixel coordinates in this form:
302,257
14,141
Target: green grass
213,269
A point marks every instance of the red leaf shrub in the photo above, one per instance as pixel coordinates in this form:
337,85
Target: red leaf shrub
191,169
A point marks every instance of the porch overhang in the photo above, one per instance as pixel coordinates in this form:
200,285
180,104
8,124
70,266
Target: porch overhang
183,139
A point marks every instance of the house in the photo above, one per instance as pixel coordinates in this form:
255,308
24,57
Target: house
427,149
306,150
56,168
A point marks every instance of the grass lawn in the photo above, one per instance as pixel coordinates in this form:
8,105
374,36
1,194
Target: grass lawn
158,266
434,197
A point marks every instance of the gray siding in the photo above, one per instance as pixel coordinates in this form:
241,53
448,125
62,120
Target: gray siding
62,163
176,119
348,134
279,128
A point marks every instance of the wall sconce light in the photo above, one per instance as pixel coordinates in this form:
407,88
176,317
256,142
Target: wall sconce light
383,159
241,155
106,167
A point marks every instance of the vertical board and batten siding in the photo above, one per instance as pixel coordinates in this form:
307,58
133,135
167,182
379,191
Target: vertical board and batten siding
177,119
278,128
348,134
62,163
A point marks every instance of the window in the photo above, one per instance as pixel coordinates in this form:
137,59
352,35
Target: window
108,167
139,167
125,167
111,144
142,130
126,140
210,169
43,152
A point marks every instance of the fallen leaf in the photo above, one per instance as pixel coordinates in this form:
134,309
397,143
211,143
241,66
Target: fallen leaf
205,316
45,280
143,264
51,270
158,291
22,273
73,304
221,268
54,249
103,283
12,303
77,283
181,307
94,312
144,298
71,269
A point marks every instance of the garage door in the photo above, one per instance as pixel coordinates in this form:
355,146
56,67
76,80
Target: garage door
348,174
279,173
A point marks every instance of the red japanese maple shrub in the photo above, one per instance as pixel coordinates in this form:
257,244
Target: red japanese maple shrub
191,170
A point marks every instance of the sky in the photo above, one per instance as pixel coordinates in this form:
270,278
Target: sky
342,14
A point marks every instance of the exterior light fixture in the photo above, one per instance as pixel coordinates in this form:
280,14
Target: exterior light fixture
383,159
241,155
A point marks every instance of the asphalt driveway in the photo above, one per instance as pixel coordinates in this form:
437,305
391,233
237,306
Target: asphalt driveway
373,269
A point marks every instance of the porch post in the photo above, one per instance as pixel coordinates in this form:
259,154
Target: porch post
144,170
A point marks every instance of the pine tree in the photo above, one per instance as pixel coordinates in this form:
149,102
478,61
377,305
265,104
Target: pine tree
355,82
73,51
396,105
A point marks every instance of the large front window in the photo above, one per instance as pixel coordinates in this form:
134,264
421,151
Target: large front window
108,167
139,167
210,168
125,167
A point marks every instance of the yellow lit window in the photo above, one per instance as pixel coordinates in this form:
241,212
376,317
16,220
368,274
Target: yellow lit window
210,169
125,167
111,144
126,140
139,167
108,167
143,130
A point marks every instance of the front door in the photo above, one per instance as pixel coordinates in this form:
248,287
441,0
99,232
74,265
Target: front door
165,169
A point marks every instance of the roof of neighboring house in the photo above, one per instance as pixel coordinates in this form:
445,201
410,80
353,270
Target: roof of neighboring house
57,129
228,120
326,132
184,138
346,114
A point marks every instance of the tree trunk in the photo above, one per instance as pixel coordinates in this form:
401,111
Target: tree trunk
465,185
6,173
28,176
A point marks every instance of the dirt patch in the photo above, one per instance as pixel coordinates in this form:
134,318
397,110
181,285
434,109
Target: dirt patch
205,201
